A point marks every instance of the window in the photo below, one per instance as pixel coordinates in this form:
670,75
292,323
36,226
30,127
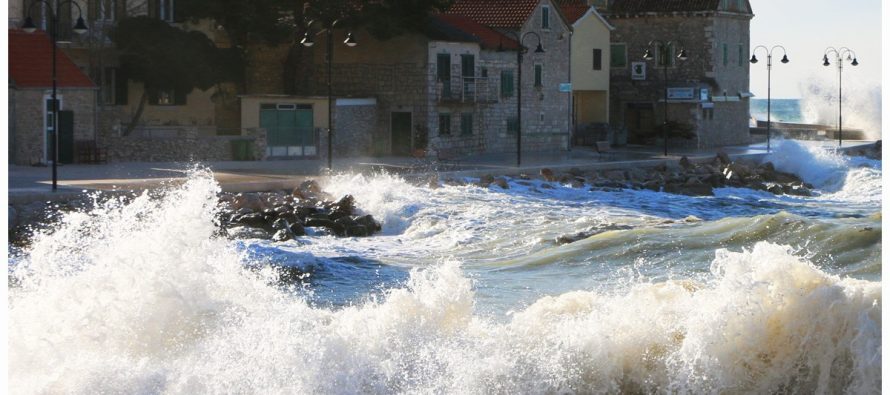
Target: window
444,124
466,124
443,67
507,83
619,56
167,97
106,10
165,10
512,125
467,65
741,54
545,17
665,55
597,59
484,72
725,55
539,75
109,82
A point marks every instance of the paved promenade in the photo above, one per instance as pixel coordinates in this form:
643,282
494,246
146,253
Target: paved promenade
34,183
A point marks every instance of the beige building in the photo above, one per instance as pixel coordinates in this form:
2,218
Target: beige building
590,68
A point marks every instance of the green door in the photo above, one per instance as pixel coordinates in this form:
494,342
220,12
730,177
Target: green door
289,129
401,133
66,136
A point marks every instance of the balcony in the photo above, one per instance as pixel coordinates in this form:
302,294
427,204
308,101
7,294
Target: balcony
468,90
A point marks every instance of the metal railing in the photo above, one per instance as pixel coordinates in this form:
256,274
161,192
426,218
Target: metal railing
467,90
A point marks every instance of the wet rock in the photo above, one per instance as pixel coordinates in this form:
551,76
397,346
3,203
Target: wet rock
571,238
245,232
502,182
685,163
486,180
249,201
615,175
576,172
357,231
254,220
335,228
723,157
548,175
433,182
547,186
368,222
282,235
652,185
307,189
297,229
346,205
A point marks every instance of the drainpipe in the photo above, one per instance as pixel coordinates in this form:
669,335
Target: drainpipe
571,92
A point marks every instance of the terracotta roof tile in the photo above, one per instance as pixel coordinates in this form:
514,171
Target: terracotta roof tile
572,9
509,14
462,27
30,63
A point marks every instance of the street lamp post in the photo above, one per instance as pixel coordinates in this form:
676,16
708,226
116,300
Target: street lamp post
307,41
840,54
79,27
769,67
665,47
519,54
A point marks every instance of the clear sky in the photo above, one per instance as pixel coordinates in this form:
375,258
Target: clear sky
806,28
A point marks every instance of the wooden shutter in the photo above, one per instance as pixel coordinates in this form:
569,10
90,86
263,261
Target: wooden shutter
507,83
121,90
468,65
443,67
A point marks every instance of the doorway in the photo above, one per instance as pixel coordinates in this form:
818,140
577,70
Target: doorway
401,133
289,130
640,121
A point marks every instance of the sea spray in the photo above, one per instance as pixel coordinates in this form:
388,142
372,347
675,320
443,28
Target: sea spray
862,104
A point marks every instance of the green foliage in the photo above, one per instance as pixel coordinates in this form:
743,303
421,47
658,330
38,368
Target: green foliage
164,57
271,21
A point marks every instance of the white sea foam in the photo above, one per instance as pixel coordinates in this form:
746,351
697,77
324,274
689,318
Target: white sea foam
140,298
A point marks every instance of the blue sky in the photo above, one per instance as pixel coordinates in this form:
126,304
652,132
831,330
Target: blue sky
806,28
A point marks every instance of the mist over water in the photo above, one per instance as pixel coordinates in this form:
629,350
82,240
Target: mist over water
861,106
465,291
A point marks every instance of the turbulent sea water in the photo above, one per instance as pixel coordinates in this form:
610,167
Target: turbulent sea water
465,291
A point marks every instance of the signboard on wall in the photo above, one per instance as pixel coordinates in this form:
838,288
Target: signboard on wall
565,87
681,93
638,71
705,94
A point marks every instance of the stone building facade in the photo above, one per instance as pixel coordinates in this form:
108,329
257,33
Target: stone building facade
709,92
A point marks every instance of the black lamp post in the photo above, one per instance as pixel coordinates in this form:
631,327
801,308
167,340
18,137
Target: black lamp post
769,67
519,52
850,56
307,41
665,47
79,27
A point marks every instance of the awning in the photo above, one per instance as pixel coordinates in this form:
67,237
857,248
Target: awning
745,94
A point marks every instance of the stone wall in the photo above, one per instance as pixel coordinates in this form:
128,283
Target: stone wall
185,145
29,135
703,36
354,123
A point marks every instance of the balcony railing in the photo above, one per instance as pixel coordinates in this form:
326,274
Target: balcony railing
467,90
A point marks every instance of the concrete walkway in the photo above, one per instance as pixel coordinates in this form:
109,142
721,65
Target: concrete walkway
34,183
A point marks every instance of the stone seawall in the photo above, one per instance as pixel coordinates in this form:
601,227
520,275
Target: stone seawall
184,147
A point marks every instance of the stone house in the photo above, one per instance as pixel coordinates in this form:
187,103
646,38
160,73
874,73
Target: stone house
453,87
30,132
708,93
196,116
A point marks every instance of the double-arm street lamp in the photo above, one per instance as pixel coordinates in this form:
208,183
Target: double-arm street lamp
665,48
519,54
80,28
307,41
769,67
840,55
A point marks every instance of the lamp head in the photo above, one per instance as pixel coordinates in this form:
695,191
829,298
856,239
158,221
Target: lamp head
539,49
754,59
29,26
648,54
682,55
785,59
855,62
350,40
825,61
307,40
80,27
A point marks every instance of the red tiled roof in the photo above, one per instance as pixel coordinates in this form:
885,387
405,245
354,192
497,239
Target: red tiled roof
635,6
495,13
30,63
572,9
485,36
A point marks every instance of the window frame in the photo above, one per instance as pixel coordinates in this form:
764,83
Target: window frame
445,128
598,60
466,124
508,75
616,59
545,17
539,75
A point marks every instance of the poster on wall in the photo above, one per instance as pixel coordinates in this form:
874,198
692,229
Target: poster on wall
638,71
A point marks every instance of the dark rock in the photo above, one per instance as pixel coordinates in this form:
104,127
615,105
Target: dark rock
565,179
307,189
306,211
357,231
297,229
486,180
502,182
684,163
346,205
254,220
282,235
576,172
548,175
334,227
615,175
723,157
368,222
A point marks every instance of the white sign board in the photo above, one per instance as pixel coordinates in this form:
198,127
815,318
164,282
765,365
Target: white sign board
565,87
681,93
638,71
705,93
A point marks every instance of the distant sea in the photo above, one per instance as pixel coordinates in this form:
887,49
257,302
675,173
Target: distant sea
783,110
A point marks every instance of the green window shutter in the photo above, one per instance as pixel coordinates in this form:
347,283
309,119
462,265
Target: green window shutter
443,67
444,124
468,65
539,75
466,124
741,54
507,83
618,56
545,17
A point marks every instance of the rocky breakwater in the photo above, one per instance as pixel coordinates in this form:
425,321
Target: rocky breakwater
685,177
281,216
871,151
